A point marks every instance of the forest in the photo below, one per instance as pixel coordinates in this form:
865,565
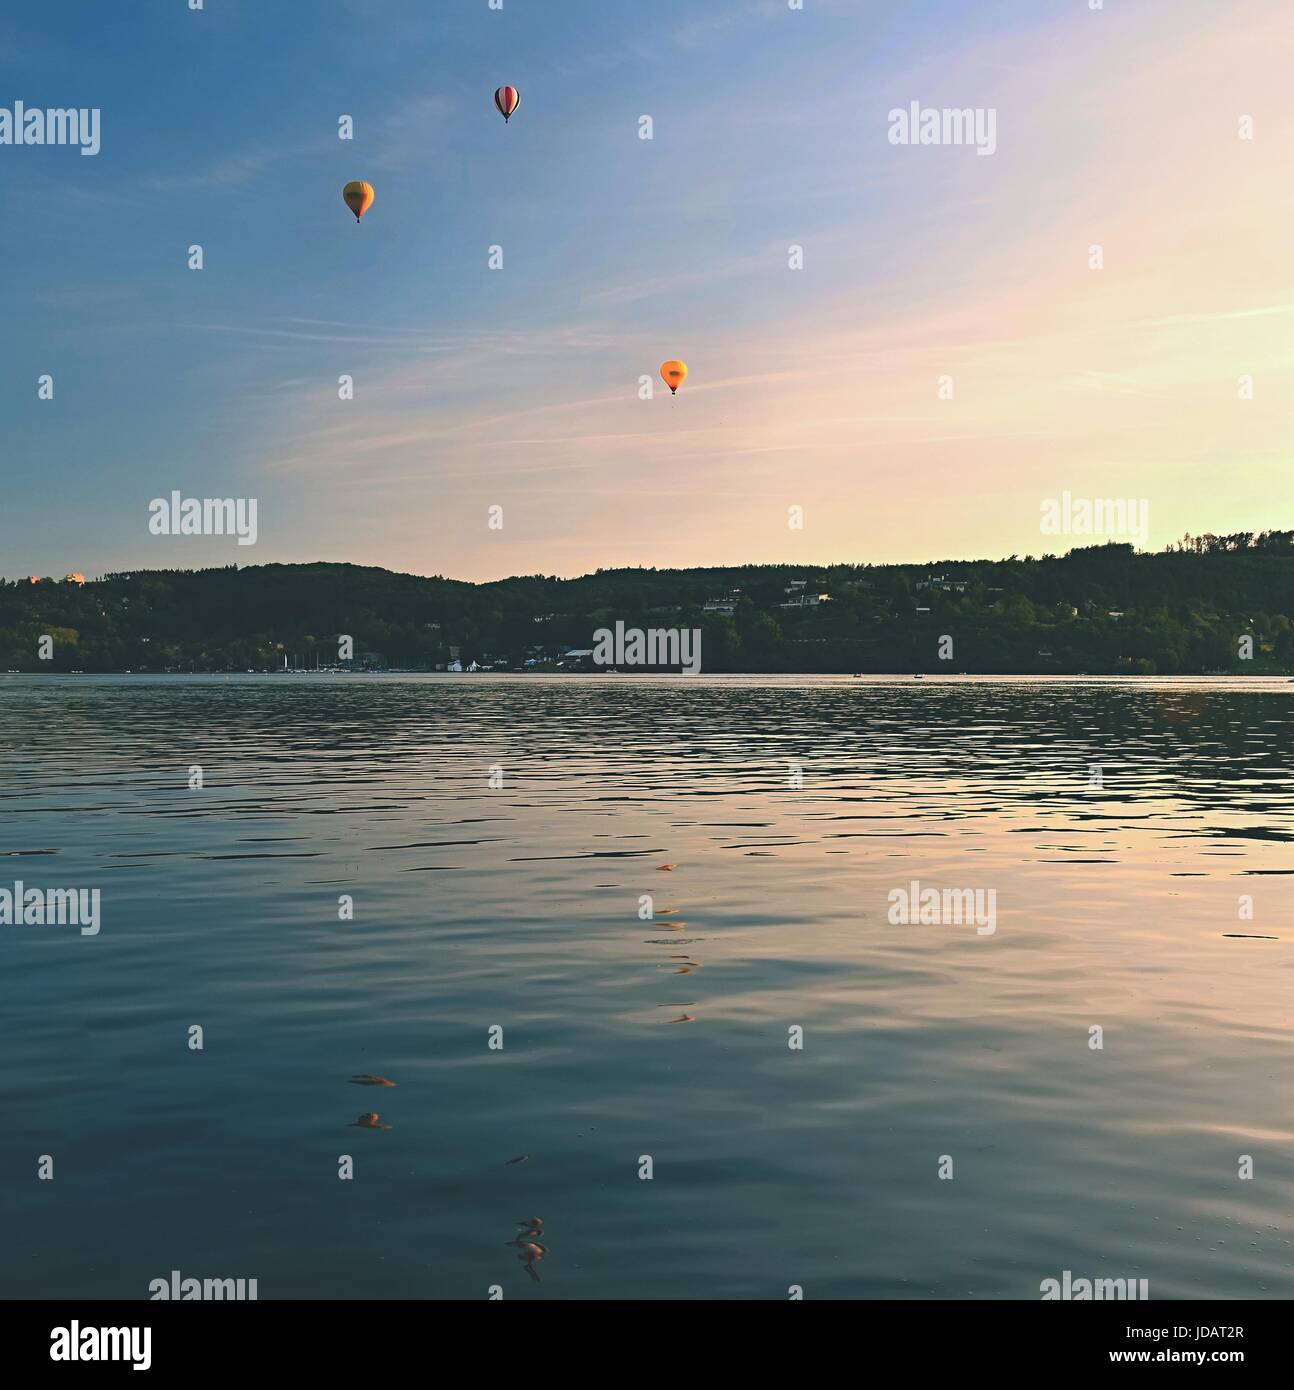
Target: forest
1207,604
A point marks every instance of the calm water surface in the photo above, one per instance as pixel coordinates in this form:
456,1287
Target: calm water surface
518,907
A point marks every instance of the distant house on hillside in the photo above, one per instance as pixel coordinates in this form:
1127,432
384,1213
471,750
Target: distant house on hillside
799,595
943,583
727,604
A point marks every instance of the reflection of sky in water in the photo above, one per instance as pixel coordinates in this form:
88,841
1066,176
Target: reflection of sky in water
518,907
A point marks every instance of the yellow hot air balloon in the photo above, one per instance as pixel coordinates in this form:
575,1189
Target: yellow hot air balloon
673,372
358,197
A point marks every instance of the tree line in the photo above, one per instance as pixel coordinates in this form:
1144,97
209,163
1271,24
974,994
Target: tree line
1205,604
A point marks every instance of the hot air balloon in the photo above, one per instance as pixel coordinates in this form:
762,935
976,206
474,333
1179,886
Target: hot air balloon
507,99
672,373
358,197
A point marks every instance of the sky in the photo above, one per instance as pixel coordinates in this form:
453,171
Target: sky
946,361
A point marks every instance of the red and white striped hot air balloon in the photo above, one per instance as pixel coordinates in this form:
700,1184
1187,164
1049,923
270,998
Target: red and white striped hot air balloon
507,99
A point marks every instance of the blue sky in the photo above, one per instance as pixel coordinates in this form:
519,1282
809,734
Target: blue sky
519,387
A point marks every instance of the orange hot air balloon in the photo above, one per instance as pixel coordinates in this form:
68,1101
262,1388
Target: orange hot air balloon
672,373
358,197
507,99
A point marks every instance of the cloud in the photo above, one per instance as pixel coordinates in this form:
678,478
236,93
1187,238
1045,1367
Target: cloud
233,170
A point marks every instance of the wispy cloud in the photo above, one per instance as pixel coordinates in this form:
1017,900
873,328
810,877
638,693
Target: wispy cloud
230,171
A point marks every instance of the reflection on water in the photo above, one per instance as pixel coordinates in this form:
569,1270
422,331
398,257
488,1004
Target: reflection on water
661,944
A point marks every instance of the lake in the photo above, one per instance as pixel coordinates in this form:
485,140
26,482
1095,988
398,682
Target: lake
1066,1078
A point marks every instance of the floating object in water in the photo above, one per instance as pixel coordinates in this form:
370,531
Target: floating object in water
520,1158
525,1240
1249,936
369,1121
530,1253
683,1018
665,868
369,1080
529,1250
687,967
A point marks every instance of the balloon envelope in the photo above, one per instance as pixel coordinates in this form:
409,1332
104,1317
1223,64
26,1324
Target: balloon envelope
358,197
507,99
672,373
